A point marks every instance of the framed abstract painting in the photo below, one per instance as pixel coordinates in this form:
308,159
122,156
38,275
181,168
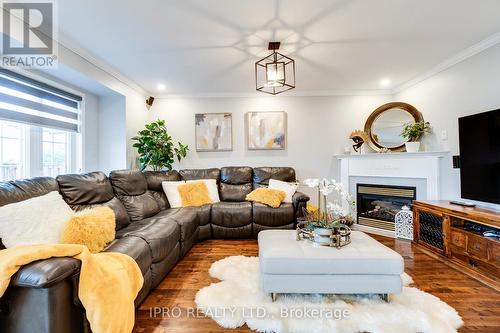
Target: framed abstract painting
266,130
214,131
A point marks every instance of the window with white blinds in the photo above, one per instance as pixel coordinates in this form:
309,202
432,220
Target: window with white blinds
40,128
27,101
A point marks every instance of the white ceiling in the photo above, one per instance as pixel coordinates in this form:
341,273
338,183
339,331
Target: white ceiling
197,47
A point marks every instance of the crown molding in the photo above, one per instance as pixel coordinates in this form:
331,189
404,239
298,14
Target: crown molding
450,62
298,93
444,65
64,42
100,64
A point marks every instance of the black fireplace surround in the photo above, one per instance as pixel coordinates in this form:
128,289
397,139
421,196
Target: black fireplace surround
377,205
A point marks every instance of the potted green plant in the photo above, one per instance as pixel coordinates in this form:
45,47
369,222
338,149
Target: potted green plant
412,132
156,148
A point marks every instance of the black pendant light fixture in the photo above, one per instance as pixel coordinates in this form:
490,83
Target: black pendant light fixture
275,73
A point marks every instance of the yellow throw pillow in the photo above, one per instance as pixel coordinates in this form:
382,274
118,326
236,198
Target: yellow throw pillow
94,228
267,196
194,194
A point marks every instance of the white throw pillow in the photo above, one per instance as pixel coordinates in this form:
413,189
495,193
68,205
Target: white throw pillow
38,220
288,188
213,191
172,193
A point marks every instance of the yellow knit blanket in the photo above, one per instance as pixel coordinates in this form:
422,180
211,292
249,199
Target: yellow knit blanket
109,282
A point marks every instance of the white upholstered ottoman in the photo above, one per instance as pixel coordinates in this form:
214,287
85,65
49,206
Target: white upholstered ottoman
363,267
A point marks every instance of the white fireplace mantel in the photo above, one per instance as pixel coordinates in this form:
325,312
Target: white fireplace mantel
423,165
409,166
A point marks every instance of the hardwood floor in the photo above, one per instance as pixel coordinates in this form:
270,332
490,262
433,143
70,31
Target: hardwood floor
478,304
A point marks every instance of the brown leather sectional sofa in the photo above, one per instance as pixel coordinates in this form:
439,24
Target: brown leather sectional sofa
43,297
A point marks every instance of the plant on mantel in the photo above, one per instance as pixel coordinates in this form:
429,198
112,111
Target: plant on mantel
412,133
156,148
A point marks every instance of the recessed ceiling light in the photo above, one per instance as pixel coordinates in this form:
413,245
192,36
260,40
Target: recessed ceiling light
161,87
385,82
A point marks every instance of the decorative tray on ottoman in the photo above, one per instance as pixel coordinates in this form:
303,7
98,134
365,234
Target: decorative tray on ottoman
337,237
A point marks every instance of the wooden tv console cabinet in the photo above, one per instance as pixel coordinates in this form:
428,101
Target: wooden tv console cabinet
455,233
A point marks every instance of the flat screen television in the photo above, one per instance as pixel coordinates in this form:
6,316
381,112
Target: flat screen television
480,156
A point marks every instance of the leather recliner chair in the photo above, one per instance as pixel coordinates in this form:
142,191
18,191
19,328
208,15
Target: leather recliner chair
43,296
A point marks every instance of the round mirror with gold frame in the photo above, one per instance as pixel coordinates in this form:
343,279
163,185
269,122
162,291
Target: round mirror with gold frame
383,127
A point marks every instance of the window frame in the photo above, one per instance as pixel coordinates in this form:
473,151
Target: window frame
33,143
23,145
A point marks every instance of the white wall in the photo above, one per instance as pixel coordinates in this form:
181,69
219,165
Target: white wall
469,87
318,128
133,113
136,116
90,135
112,140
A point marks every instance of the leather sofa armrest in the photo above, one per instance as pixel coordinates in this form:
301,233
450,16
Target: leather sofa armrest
300,197
299,203
45,273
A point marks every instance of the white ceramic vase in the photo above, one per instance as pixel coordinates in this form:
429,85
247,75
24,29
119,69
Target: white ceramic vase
322,236
412,147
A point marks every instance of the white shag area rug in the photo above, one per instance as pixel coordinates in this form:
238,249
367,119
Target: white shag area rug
239,299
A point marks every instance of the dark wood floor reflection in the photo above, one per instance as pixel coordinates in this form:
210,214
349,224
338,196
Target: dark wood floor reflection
478,304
